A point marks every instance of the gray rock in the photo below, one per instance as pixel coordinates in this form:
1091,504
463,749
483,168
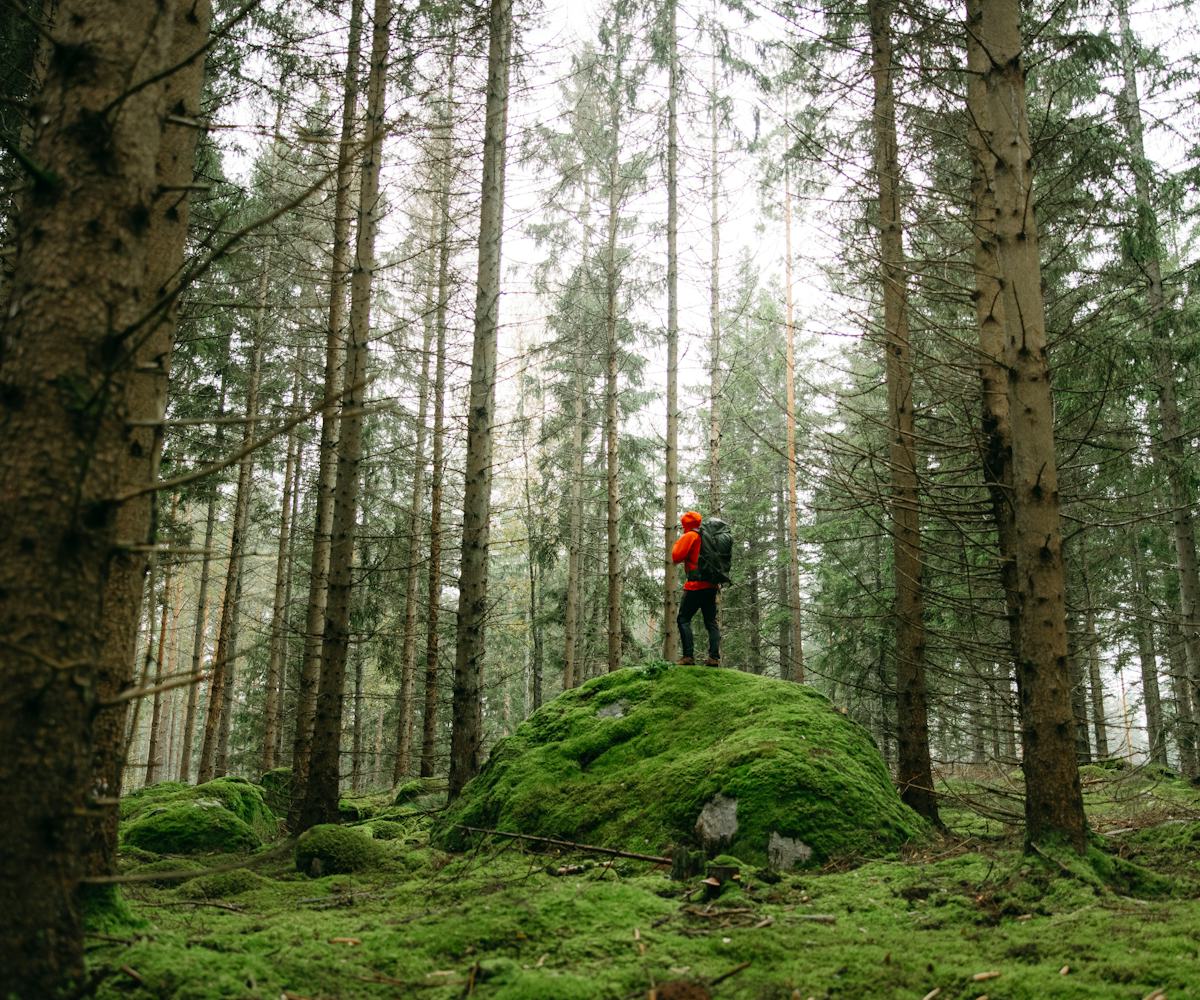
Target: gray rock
613,710
786,852
718,821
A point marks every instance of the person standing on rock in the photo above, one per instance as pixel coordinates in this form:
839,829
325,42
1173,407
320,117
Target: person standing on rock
707,569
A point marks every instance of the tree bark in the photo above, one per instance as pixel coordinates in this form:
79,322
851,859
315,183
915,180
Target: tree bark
1053,798
996,426
612,435
202,608
671,499
438,465
1147,653
153,749
324,775
213,761
81,288
150,345
914,767
1170,458
278,647
318,581
795,663
466,740
714,289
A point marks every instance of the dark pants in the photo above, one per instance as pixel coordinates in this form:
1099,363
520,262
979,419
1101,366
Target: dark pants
704,601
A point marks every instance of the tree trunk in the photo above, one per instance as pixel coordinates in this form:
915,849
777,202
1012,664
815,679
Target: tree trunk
671,486
153,750
318,582
357,750
714,290
405,709
1185,726
1053,800
1079,693
795,663
989,316
612,436
220,685
1147,653
82,286
278,648
324,773
438,465
1170,458
1095,681
149,347
782,587
466,740
201,627
914,768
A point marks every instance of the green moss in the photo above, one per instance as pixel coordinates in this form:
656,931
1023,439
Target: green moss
382,829
277,789
409,791
106,911
630,760
167,867
136,803
222,885
190,828
327,848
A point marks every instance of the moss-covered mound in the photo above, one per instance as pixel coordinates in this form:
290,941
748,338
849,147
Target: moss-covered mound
328,849
222,885
196,827
647,759
226,814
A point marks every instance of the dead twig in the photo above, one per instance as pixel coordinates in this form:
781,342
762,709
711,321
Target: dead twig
730,974
556,842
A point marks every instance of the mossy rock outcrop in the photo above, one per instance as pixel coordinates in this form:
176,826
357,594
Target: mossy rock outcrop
195,827
654,758
226,814
329,849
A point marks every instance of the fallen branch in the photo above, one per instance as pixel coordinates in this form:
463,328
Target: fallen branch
730,974
231,907
554,841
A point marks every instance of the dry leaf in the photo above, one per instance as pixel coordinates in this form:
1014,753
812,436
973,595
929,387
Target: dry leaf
344,940
1064,970
936,991
980,977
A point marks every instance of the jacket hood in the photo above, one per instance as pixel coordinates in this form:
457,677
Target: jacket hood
690,521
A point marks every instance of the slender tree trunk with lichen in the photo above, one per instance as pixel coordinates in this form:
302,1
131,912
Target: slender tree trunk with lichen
914,767
467,707
318,582
1053,799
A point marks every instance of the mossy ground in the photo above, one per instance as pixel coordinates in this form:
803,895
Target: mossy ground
493,923
631,758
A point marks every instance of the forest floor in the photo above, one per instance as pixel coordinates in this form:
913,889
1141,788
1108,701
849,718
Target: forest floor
965,915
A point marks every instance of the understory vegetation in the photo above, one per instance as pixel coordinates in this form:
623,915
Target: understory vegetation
965,911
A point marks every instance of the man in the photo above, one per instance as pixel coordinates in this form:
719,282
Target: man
698,595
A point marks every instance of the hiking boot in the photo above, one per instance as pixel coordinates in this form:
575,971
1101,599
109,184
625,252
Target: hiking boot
686,661
712,661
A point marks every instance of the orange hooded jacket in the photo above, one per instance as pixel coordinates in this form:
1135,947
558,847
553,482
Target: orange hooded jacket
686,550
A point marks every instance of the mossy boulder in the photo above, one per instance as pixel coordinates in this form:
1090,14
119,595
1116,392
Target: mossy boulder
174,818
190,827
328,849
222,885
384,829
650,759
